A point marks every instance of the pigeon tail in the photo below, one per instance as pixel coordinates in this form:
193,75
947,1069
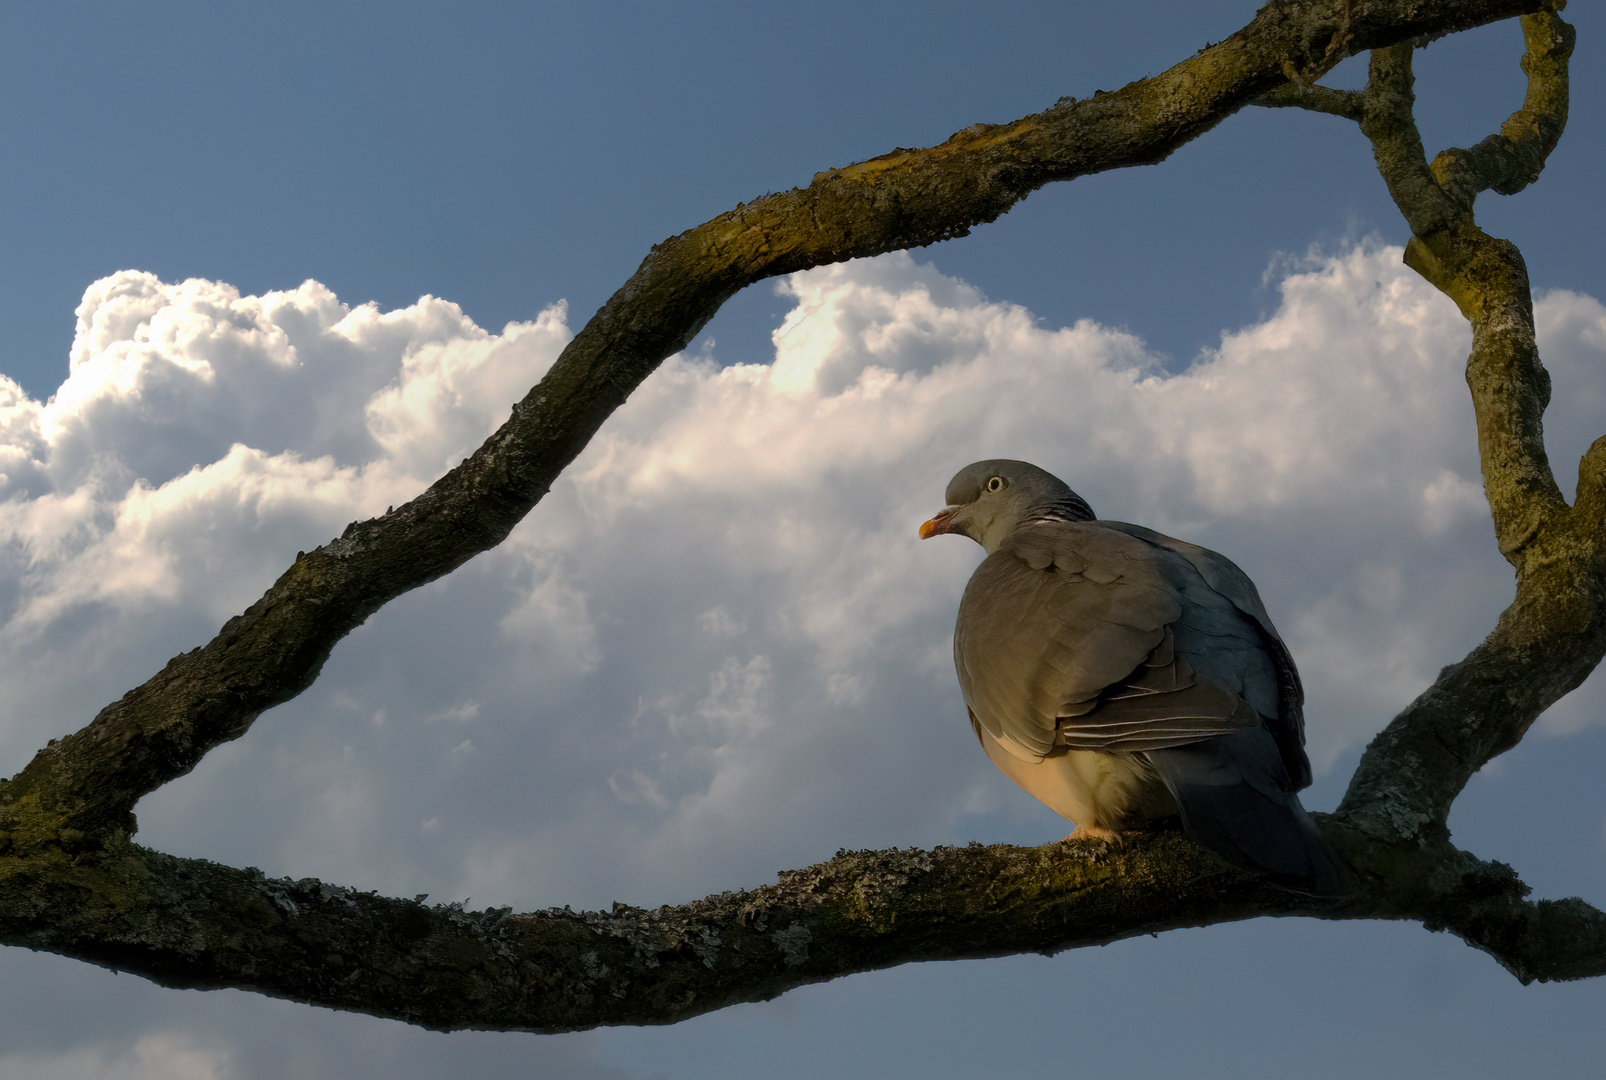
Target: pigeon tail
1235,800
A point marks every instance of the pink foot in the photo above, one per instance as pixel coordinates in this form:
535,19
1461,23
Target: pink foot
1093,832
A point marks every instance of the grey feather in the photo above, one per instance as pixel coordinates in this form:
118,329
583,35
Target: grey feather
1121,675
1236,799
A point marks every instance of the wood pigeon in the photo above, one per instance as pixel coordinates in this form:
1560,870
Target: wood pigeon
1123,677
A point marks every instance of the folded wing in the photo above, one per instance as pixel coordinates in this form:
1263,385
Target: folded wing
1075,635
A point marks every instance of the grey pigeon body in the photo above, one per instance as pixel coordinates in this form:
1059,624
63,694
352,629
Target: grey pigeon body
1121,677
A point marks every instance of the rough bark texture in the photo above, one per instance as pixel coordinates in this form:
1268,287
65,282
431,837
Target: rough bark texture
73,882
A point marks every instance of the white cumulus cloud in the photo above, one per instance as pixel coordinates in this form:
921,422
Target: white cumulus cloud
717,648
718,639
201,438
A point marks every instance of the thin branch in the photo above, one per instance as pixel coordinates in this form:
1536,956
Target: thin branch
1554,633
1513,158
1485,276
1388,120
1322,99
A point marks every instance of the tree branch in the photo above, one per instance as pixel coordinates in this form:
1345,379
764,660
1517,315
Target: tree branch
1483,275
195,924
1554,633
72,882
1513,158
91,780
1322,99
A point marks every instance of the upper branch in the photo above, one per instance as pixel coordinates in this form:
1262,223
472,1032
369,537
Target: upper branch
1485,276
1554,633
1388,120
88,782
1512,159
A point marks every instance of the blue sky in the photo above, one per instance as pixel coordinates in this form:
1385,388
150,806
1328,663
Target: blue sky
690,668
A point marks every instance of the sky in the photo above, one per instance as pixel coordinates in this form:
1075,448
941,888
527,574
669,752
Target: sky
270,270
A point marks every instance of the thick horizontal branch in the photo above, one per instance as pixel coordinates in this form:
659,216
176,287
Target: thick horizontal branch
87,784
195,924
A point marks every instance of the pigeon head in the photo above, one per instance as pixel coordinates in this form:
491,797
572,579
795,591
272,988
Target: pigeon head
988,500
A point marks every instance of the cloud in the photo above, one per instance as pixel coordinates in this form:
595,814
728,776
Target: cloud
717,648
200,439
717,643
157,1056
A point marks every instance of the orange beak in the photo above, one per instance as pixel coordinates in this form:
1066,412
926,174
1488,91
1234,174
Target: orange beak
939,524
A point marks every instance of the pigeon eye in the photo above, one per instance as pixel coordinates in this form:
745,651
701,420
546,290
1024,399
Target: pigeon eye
996,484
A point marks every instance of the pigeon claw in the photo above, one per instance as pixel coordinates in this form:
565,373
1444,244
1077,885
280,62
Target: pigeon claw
1093,832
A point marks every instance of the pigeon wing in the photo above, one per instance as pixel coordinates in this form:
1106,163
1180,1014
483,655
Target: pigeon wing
1067,638
1232,641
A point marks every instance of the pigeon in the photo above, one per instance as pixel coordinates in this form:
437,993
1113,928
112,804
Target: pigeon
1123,677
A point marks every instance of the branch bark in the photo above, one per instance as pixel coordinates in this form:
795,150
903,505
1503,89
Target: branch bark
1554,632
72,881
195,924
